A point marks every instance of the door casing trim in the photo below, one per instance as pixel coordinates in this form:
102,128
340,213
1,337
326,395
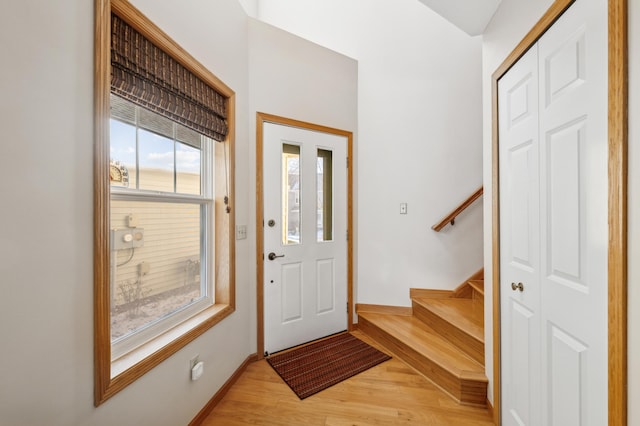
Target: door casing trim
617,208
262,118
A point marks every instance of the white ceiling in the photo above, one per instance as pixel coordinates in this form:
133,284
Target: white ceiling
471,16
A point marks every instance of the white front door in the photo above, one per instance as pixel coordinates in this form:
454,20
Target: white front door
305,235
554,230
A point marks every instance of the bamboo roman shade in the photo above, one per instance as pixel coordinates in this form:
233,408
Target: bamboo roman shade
149,77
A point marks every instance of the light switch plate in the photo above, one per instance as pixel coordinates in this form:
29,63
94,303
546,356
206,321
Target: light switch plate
241,232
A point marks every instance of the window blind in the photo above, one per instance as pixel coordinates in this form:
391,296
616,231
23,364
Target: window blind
129,113
149,77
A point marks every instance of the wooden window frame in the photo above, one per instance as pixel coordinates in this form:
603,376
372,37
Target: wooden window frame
113,376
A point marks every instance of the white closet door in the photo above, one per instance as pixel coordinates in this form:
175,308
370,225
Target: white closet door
554,230
573,226
519,242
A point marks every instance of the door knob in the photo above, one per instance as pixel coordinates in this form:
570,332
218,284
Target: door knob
518,286
273,256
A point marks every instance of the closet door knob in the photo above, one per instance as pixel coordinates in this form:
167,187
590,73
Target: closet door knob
518,286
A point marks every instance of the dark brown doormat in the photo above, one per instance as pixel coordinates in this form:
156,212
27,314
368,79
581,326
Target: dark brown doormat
317,366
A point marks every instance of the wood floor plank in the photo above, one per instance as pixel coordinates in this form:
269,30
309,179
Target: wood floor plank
391,393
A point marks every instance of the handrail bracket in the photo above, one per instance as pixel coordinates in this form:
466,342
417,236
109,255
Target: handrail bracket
451,217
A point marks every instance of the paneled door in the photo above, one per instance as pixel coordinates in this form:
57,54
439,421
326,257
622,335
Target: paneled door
519,243
305,235
574,222
554,230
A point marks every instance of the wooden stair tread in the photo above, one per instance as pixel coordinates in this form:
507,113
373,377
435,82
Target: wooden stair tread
465,314
426,341
478,285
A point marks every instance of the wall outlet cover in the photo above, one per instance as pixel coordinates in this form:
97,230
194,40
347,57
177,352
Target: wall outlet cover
197,370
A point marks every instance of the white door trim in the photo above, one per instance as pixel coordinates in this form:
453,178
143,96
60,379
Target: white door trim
261,118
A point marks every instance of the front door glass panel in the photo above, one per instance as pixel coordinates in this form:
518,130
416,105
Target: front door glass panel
291,217
324,195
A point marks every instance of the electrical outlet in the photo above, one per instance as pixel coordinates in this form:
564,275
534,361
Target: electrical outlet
193,361
197,371
132,221
403,208
127,238
196,368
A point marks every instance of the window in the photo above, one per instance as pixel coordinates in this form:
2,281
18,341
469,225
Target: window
164,257
160,222
324,198
291,194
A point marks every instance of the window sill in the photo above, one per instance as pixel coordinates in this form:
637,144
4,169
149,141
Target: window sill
133,364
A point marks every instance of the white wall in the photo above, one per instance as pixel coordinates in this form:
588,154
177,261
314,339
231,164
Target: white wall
250,6
46,153
294,78
511,22
633,353
419,133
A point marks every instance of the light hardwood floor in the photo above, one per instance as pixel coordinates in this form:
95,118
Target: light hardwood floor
391,393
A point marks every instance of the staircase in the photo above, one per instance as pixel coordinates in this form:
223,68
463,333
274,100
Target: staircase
441,336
